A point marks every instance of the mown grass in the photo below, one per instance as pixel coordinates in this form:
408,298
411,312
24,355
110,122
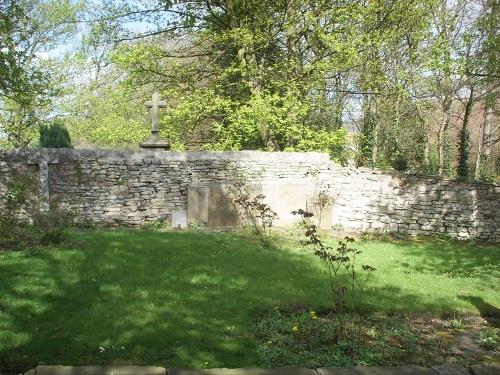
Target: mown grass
188,299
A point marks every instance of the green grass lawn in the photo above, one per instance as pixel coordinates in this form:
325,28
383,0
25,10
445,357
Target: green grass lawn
189,299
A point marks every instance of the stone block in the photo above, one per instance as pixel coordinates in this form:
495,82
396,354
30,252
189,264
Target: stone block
244,371
485,369
97,370
361,370
450,369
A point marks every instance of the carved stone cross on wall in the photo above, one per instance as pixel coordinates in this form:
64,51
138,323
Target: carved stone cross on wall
43,159
155,141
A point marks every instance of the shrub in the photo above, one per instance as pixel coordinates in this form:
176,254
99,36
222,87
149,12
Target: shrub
55,135
16,195
52,226
342,267
255,210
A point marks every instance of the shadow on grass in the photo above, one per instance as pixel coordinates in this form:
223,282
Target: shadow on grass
170,299
144,298
487,310
454,259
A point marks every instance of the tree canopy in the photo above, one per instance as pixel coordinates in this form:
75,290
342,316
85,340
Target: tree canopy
409,85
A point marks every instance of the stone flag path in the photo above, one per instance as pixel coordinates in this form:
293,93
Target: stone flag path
452,369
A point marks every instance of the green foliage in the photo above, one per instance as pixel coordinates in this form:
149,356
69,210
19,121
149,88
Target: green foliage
456,324
300,337
110,115
52,227
20,229
264,75
30,80
448,155
343,271
365,141
17,194
490,338
55,135
277,123
255,211
487,173
18,189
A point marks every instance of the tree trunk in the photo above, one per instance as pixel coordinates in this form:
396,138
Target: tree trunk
443,129
463,149
375,137
487,136
477,168
485,139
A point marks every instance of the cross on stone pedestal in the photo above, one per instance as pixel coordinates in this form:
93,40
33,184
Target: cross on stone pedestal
43,159
155,141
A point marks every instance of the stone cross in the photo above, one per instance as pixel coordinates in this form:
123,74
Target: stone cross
155,104
43,159
154,141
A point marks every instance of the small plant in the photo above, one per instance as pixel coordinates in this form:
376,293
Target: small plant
456,324
53,226
342,267
256,211
338,227
322,200
194,226
490,338
313,172
157,225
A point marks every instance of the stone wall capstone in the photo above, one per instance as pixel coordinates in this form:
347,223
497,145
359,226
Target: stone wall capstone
132,188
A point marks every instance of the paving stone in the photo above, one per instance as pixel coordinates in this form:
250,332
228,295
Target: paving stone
361,370
485,369
244,371
451,369
97,370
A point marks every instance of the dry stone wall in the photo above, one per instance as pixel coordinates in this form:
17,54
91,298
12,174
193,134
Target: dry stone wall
133,188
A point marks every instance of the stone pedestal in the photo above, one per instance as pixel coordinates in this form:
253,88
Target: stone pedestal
155,142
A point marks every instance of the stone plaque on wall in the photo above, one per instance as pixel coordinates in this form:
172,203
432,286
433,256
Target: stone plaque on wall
197,212
211,206
222,211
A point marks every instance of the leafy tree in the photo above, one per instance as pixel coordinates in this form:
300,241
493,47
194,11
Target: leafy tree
108,114
284,75
28,81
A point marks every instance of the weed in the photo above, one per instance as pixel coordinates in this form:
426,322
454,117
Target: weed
490,338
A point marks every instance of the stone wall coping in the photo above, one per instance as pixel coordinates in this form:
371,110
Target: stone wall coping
73,154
